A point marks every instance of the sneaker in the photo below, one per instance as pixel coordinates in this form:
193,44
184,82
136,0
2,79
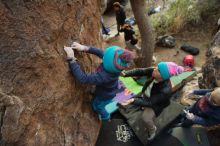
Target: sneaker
152,133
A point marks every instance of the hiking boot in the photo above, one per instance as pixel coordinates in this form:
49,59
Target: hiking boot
152,133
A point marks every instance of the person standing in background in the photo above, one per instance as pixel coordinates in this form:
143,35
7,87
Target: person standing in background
120,16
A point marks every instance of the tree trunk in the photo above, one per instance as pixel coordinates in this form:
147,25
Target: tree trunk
146,31
41,104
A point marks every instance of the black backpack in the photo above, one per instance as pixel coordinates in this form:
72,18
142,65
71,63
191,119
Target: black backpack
190,49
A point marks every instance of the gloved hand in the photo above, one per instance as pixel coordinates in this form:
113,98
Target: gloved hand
127,102
70,53
79,47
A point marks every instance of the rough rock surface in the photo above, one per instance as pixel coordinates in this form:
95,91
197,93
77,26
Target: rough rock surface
211,79
41,103
211,69
187,98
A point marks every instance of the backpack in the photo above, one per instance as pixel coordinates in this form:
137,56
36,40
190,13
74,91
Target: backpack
166,41
190,49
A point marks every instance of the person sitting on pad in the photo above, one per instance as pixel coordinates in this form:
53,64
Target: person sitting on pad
206,111
156,92
115,59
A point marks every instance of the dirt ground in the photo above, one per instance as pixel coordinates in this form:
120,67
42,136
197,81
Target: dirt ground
196,37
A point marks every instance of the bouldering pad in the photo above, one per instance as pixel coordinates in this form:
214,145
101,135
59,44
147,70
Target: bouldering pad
117,133
133,114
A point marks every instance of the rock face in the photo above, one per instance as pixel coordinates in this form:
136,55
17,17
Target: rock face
188,99
41,103
211,69
211,79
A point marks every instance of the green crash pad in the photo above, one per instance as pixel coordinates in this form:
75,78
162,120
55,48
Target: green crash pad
129,88
181,79
133,87
131,84
176,81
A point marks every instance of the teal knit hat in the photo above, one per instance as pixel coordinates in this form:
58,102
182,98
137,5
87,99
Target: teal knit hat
164,71
116,59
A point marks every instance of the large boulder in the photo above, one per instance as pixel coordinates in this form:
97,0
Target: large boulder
211,69
41,103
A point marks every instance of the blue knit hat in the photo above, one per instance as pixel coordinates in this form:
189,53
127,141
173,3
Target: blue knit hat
116,59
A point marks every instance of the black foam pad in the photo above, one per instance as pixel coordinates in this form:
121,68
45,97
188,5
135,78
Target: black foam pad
166,140
133,115
194,136
117,133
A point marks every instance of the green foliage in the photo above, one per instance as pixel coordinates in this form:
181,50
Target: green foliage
180,13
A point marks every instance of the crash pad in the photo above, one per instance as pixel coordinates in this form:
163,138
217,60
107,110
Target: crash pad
116,133
194,136
131,84
181,79
127,88
133,114
176,81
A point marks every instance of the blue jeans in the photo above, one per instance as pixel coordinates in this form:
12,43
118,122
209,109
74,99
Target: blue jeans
98,105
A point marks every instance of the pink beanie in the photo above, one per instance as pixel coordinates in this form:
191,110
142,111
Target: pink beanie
169,69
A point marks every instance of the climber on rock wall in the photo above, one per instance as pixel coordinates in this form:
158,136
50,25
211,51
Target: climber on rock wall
115,60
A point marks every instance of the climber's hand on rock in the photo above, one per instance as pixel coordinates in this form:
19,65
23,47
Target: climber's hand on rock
79,47
69,52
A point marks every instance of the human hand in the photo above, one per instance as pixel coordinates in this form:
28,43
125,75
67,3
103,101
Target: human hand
127,102
190,93
79,47
123,73
190,116
69,52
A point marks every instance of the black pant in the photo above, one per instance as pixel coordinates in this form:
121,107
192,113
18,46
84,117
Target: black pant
119,26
